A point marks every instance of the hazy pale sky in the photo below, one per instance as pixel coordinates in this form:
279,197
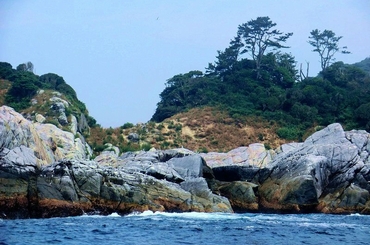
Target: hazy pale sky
118,54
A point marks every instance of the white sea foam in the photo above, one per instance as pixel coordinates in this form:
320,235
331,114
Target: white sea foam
114,215
188,215
357,214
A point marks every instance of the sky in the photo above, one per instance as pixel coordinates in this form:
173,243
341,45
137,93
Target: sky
118,54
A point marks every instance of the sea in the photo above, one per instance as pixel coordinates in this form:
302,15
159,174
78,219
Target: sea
189,228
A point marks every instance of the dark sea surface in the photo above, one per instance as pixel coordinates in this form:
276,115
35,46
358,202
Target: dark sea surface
189,228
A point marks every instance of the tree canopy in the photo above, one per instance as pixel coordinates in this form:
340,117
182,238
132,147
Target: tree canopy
325,43
257,36
24,86
340,93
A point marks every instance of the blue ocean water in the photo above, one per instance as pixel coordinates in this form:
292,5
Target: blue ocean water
189,228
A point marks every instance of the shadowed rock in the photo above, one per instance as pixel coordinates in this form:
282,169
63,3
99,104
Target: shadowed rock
44,172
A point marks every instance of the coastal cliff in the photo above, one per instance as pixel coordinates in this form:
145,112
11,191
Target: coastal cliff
47,172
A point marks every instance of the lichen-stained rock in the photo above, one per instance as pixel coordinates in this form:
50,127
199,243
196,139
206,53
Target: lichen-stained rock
17,166
241,195
48,142
255,155
16,131
72,187
329,167
188,166
63,144
329,173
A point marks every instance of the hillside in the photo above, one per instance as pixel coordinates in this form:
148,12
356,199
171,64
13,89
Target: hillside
364,65
200,129
255,77
49,99
210,127
339,94
45,99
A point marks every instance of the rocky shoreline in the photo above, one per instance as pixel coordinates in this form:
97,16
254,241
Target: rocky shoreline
46,172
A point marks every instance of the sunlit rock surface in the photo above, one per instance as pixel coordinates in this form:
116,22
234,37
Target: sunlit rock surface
47,172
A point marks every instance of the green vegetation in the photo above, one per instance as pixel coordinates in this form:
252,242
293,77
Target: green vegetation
326,45
25,84
266,85
251,93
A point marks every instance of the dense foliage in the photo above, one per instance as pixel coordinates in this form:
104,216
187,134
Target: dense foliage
25,84
270,88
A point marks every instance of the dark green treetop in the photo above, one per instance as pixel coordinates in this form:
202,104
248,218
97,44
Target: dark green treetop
257,36
325,43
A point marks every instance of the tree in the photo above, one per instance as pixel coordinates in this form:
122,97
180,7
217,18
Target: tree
257,36
226,60
24,87
181,92
326,44
25,67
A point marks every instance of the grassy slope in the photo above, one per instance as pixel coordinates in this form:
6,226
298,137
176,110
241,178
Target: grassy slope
200,129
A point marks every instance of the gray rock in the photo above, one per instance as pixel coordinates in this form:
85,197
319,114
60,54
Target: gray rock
19,161
73,126
189,166
162,170
133,137
197,187
83,126
241,195
310,174
40,118
62,118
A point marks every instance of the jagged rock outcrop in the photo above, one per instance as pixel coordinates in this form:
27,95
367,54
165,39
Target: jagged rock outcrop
329,173
48,142
59,106
45,172
254,155
74,187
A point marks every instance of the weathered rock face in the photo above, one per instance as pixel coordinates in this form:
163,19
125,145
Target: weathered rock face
48,142
73,187
329,172
45,172
254,155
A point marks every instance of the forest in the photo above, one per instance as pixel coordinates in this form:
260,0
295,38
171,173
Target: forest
253,76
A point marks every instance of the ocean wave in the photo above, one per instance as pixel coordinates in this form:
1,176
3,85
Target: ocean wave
188,215
114,215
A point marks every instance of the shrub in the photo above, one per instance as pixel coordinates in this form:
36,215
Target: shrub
203,150
178,127
289,133
146,147
127,125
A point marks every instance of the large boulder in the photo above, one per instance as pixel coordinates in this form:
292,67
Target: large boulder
48,142
72,187
242,195
18,168
329,167
255,155
328,172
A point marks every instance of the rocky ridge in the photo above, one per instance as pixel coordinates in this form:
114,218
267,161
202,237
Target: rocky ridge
47,172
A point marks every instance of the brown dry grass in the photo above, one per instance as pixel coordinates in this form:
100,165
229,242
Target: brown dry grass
4,86
215,130
201,129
